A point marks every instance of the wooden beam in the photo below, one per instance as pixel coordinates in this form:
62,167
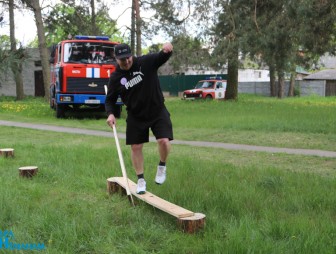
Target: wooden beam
154,200
188,221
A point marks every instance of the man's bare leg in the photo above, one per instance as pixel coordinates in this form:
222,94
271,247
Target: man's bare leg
164,149
138,164
137,158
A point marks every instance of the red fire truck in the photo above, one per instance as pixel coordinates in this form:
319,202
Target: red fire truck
80,68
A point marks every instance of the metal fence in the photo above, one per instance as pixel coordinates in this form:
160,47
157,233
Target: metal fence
174,85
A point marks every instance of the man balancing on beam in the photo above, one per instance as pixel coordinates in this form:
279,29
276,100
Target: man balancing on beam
137,82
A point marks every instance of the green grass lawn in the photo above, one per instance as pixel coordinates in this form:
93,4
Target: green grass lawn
255,202
307,122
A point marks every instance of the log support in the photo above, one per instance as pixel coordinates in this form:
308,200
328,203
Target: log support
113,187
28,171
191,224
7,152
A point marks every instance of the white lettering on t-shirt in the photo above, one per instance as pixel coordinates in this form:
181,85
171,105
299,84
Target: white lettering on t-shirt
134,81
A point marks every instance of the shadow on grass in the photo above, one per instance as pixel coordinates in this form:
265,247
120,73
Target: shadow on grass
84,113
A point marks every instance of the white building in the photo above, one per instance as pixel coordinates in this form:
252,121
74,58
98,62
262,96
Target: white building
250,75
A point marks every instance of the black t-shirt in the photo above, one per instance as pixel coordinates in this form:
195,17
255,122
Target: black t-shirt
139,87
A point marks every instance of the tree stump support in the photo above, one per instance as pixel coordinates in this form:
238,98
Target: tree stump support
187,221
7,152
191,224
28,171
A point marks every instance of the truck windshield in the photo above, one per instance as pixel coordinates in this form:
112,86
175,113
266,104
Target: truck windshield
204,84
89,52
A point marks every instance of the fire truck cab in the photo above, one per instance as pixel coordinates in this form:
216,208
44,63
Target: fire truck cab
80,68
210,88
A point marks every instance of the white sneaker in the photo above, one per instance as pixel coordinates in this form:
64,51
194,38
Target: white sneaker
141,186
160,175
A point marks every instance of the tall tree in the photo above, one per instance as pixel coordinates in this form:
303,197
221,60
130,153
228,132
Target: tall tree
281,27
132,29
228,33
7,57
317,25
188,53
11,56
34,5
16,66
218,20
137,27
259,41
58,20
93,17
171,18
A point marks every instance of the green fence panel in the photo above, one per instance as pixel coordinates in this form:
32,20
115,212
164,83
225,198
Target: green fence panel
178,83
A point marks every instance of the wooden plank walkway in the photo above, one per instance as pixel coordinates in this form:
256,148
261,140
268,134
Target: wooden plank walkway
188,221
150,198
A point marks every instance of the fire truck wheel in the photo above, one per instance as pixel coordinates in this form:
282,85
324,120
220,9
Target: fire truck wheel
60,111
208,97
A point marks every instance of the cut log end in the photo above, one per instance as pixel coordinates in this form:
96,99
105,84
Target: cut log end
28,171
192,224
113,187
7,152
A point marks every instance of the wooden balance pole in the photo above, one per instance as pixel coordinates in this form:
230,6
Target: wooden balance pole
7,152
28,171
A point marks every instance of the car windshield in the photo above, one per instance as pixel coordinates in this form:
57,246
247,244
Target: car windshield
204,84
89,52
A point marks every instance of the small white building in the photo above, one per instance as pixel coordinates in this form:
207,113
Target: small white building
31,75
251,75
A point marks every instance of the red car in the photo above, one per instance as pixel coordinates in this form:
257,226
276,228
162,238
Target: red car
212,88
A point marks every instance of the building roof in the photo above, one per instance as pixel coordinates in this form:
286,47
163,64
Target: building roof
300,70
323,75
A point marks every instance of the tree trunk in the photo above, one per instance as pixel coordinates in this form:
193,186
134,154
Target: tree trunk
281,84
133,27
292,84
16,66
272,81
93,18
138,28
17,71
35,6
232,83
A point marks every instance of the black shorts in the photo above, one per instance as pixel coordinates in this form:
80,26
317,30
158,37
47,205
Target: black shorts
137,131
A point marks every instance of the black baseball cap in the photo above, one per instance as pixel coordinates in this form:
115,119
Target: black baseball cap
122,51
